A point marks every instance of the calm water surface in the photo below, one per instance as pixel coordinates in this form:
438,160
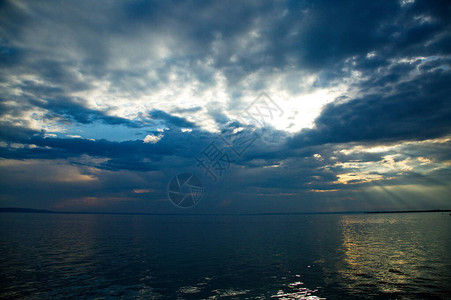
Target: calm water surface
384,256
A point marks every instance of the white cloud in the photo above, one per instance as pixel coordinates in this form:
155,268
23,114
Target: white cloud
152,139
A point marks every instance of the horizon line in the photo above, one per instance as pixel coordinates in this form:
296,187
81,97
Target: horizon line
32,210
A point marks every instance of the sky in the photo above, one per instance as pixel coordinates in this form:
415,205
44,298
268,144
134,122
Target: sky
240,106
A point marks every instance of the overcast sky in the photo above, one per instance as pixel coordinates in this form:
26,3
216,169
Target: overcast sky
275,106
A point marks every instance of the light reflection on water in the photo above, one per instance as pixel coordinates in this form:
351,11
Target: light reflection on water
242,257
392,254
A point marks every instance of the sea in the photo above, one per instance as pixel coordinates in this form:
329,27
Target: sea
318,256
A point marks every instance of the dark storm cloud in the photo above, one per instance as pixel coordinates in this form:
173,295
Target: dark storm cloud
170,119
129,155
16,134
69,109
395,56
187,110
412,109
318,35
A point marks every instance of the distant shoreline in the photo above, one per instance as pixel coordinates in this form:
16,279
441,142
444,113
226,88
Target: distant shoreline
406,211
43,211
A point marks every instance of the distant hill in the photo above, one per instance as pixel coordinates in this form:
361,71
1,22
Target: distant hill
24,210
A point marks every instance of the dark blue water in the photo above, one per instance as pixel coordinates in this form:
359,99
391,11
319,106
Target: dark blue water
386,256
